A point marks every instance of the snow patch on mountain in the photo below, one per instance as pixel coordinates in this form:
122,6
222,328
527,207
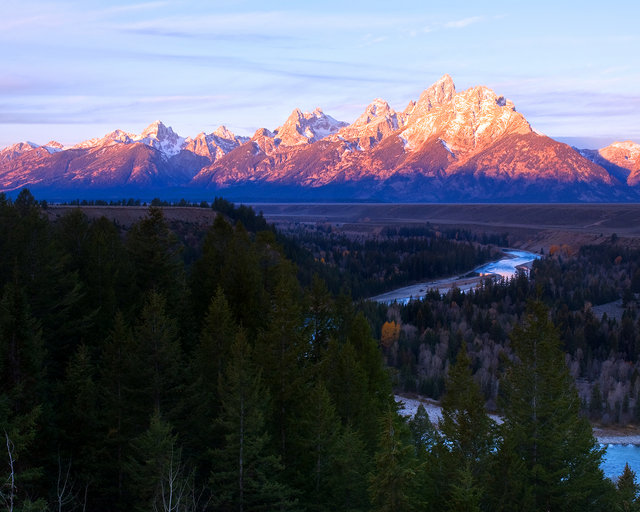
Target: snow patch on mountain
446,146
53,147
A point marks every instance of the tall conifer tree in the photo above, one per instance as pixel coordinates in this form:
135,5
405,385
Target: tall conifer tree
549,459
245,475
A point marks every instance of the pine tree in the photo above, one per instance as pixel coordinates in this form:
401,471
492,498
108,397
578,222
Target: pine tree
430,471
393,479
549,459
424,434
206,275
108,274
157,358
467,436
158,478
465,425
155,254
347,385
282,351
245,475
330,461
465,493
35,262
120,415
628,489
21,394
242,281
216,338
81,424
21,350
320,314
201,403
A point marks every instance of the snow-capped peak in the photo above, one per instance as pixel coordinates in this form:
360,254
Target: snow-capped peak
224,133
157,130
53,146
162,138
17,149
465,121
115,137
306,127
214,145
377,110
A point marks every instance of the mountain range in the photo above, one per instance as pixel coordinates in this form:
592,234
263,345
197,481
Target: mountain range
448,146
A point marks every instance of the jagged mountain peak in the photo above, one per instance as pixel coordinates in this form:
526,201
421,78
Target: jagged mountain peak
53,146
261,133
377,121
484,97
156,129
115,137
443,90
214,145
224,133
17,149
306,127
377,109
438,94
22,146
466,121
163,138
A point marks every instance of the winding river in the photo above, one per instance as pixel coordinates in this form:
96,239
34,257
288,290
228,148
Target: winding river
505,267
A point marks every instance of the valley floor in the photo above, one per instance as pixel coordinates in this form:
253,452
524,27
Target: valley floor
530,226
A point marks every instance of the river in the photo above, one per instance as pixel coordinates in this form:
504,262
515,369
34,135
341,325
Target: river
618,453
617,456
505,267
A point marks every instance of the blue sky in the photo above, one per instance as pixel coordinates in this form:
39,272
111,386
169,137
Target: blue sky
72,70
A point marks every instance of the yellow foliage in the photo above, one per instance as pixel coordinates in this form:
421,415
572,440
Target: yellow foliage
390,333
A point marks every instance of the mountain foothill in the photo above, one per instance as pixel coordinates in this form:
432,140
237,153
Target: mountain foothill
448,146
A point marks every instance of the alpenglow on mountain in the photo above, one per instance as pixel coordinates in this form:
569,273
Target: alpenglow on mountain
447,146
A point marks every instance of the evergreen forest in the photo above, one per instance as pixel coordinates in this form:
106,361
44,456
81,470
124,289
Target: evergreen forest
235,367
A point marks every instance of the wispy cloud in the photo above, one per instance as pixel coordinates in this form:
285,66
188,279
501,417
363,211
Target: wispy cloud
464,22
249,38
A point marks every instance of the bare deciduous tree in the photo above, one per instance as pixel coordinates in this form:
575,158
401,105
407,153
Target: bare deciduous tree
8,496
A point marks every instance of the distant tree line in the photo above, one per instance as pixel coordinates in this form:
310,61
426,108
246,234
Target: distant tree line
367,265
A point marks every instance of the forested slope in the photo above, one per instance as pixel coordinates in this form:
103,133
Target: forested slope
141,374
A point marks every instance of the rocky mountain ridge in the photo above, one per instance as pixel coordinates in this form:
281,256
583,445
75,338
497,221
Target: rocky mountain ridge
447,146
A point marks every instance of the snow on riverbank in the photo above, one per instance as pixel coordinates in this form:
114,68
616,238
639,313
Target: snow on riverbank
605,436
409,407
610,436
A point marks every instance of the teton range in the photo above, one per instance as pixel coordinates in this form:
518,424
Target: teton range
448,146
